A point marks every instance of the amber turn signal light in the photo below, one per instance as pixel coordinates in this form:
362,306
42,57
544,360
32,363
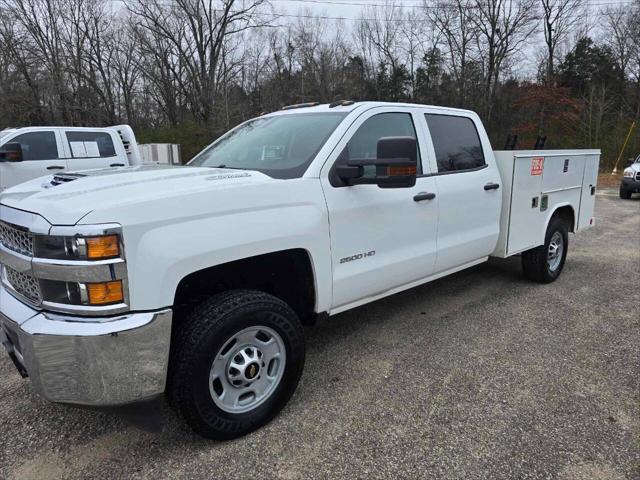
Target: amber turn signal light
400,171
105,293
102,247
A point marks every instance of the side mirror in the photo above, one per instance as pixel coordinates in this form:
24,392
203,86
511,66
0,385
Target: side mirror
397,162
396,165
11,152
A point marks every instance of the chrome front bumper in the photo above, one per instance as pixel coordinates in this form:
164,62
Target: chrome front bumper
90,361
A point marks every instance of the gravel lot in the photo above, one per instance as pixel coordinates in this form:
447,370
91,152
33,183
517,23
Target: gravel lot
478,375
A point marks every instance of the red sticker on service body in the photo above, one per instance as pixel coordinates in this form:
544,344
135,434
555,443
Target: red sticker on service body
537,165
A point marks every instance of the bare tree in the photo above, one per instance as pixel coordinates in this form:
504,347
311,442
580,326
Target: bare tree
41,21
453,19
621,22
126,70
90,48
379,35
195,32
416,40
504,26
162,69
16,58
559,17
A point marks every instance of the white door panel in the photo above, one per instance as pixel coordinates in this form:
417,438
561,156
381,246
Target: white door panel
469,214
380,238
42,155
89,149
588,194
469,221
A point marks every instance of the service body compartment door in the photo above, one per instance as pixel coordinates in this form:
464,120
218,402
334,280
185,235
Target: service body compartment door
525,220
588,196
562,172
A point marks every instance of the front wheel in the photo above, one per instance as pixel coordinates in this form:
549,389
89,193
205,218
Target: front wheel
544,264
237,363
625,194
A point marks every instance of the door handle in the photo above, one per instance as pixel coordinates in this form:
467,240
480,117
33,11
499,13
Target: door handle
117,165
491,186
423,196
55,167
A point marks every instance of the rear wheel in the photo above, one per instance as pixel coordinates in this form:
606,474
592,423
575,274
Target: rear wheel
544,264
624,193
237,363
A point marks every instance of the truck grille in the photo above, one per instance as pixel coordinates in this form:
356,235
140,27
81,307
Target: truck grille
16,239
24,284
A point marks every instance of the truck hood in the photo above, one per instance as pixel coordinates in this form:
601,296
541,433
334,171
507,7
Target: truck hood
65,198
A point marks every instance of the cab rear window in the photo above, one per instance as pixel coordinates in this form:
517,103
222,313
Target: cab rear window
91,144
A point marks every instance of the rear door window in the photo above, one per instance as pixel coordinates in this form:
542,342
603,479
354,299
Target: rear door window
456,143
38,145
91,144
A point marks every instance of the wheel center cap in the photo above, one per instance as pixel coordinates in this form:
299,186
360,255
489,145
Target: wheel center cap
251,371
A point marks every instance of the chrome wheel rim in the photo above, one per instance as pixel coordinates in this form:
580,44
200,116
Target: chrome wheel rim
247,369
555,251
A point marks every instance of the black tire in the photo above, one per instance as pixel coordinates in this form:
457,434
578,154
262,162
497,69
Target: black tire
625,194
534,261
206,331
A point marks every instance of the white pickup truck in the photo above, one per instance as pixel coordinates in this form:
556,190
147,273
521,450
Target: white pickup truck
31,152
121,284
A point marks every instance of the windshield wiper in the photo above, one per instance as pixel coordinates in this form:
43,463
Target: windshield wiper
229,168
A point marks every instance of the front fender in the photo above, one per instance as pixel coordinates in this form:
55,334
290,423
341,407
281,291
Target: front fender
170,240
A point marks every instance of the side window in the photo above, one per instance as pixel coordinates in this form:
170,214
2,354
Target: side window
37,145
91,144
456,142
364,143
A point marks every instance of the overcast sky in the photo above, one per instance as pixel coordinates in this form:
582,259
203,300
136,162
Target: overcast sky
352,10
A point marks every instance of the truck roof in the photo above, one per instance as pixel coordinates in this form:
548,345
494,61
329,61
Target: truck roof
326,107
13,129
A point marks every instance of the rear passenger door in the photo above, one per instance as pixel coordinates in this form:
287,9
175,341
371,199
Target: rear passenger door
468,184
91,149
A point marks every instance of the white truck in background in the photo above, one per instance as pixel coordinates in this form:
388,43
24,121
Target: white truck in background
31,152
119,285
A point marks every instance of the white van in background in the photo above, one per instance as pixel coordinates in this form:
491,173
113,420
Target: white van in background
31,152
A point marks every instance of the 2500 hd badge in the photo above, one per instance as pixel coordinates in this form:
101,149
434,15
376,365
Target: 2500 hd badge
359,256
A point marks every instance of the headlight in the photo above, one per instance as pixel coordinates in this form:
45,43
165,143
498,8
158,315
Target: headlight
59,247
628,173
78,269
94,294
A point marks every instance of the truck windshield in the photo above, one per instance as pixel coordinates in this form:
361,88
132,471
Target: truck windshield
281,146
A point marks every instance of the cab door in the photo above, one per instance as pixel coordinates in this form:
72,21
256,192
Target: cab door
469,188
42,154
89,149
381,239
